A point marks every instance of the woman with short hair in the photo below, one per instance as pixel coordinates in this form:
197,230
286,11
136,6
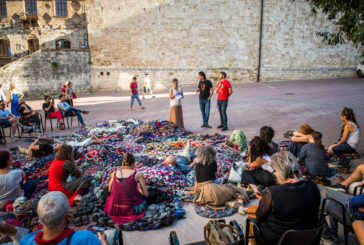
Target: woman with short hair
175,111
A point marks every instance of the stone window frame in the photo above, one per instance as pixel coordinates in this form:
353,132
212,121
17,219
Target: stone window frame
64,41
31,7
61,8
3,10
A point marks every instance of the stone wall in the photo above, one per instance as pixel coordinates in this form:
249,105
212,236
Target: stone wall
44,72
179,38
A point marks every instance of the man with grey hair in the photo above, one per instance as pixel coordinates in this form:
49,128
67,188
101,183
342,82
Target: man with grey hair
54,215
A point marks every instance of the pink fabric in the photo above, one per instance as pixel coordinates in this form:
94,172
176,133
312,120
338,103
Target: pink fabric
121,202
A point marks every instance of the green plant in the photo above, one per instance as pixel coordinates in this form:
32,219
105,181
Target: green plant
89,62
54,64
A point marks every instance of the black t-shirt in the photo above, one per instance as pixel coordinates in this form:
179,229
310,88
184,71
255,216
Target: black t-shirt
44,150
45,106
204,87
205,172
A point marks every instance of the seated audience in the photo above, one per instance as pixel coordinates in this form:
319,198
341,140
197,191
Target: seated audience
50,112
313,155
209,193
358,226
40,148
182,160
29,117
238,141
12,183
299,139
54,215
65,176
349,136
65,107
126,188
355,179
260,172
291,205
267,134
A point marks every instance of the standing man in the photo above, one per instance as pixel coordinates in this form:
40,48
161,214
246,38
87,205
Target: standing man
223,91
134,93
147,86
206,91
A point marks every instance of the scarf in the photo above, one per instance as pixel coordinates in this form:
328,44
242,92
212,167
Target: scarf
63,235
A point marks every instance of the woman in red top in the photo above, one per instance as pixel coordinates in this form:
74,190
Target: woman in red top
126,187
61,168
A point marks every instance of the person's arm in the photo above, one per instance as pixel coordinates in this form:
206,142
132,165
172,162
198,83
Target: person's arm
265,207
218,87
257,163
300,139
25,110
211,92
230,91
347,130
34,145
302,154
21,95
60,107
171,95
111,180
72,169
140,179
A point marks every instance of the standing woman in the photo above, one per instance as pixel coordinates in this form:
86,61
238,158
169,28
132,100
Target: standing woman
175,112
15,99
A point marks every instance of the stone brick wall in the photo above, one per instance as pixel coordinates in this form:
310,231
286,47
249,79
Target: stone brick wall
35,75
179,38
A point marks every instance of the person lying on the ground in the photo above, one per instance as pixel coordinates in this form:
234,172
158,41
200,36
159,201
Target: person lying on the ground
259,170
358,226
299,139
54,215
126,187
65,176
291,205
182,160
313,155
65,107
349,136
267,134
40,147
356,176
9,120
48,108
238,141
89,141
29,117
12,181
209,193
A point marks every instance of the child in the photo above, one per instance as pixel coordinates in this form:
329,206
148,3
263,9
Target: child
313,153
134,93
267,134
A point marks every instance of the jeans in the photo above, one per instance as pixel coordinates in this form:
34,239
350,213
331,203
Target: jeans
182,164
78,113
222,106
133,97
205,110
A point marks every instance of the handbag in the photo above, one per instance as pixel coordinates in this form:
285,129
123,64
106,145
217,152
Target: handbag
236,170
74,95
217,232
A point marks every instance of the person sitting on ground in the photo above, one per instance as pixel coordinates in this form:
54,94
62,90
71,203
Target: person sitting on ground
299,139
40,148
9,120
50,112
65,107
54,214
65,176
126,187
355,179
238,141
291,205
259,170
313,155
182,160
267,134
12,182
29,117
209,193
349,136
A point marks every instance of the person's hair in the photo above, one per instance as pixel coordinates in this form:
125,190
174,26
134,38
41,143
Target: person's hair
52,209
128,159
60,96
306,129
285,164
206,155
201,73
317,137
65,152
146,74
46,97
259,148
175,80
134,78
4,159
348,113
223,73
266,133
12,85
70,82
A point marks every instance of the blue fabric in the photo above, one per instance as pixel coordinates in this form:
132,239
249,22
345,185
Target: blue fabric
15,105
78,238
357,202
78,113
222,106
29,188
64,105
4,113
205,105
182,164
342,149
133,97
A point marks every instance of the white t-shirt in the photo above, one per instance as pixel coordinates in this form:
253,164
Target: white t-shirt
267,166
147,81
10,185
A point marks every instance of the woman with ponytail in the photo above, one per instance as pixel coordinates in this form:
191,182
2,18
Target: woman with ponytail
350,134
313,154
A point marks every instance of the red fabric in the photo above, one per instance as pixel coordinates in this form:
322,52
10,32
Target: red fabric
63,90
63,235
134,87
224,90
55,175
56,114
121,202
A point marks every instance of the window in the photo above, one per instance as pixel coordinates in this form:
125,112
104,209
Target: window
63,44
31,7
3,11
61,7
4,47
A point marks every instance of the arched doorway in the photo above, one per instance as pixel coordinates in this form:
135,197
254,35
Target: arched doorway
33,43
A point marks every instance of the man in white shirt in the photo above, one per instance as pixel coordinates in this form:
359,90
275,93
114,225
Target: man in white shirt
147,86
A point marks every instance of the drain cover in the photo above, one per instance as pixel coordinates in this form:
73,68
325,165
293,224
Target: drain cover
289,93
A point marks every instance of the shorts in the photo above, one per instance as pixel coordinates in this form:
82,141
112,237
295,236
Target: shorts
146,89
5,123
342,149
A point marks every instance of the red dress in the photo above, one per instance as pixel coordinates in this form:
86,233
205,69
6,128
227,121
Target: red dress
55,175
122,200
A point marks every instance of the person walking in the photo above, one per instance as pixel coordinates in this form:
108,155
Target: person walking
206,91
175,111
134,93
223,90
147,86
